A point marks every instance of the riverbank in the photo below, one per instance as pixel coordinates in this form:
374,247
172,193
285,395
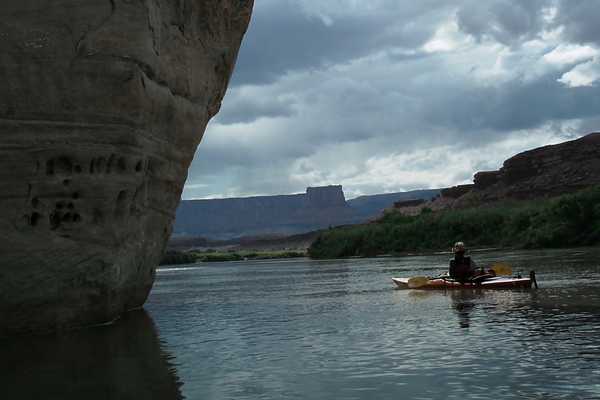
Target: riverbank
192,257
565,221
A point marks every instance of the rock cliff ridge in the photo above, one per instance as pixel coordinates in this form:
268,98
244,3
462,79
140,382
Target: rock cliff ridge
102,105
543,172
546,171
318,208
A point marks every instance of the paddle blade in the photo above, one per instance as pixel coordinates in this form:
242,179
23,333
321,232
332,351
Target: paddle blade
417,282
502,269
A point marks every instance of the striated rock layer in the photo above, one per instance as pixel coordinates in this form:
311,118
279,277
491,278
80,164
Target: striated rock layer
102,105
546,171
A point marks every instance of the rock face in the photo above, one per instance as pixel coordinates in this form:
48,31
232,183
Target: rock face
543,172
546,171
456,191
318,208
102,105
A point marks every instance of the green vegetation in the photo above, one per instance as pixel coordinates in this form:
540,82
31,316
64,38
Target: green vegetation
177,257
566,221
191,257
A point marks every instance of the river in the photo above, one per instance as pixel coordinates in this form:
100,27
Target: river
303,329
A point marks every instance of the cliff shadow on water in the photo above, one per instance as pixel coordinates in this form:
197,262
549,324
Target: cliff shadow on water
119,361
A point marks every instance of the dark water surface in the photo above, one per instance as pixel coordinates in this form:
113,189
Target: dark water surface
332,329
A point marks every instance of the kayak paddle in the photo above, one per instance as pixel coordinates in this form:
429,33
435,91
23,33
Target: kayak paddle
502,269
417,282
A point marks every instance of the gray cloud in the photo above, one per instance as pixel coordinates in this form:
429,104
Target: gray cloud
393,95
580,20
506,21
514,106
244,108
284,37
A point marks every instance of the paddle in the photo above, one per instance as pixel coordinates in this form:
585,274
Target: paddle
502,269
417,282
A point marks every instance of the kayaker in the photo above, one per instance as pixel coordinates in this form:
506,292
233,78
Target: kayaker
462,268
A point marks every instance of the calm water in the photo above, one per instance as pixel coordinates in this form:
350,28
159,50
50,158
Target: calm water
334,329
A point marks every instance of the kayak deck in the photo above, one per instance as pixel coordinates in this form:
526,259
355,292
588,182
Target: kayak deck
499,282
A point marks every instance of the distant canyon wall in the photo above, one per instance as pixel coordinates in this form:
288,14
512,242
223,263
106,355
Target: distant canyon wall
102,105
319,207
543,172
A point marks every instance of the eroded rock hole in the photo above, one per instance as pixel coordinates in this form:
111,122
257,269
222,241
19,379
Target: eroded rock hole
66,182
122,165
55,219
35,219
75,195
63,165
35,202
138,166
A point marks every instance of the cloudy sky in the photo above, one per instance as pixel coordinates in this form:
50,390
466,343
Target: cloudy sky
392,95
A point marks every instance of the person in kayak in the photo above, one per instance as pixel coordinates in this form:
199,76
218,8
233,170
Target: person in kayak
462,268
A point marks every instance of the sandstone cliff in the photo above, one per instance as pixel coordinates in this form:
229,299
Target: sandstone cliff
542,172
102,105
546,171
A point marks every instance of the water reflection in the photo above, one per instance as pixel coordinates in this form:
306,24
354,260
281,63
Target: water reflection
463,302
121,361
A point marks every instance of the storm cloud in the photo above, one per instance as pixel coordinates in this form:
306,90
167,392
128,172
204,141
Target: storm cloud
385,95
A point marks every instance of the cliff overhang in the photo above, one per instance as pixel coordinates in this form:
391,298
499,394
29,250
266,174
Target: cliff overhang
102,105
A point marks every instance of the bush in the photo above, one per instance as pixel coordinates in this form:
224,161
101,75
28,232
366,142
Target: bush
569,220
177,257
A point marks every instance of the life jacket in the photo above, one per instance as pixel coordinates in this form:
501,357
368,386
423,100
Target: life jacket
462,269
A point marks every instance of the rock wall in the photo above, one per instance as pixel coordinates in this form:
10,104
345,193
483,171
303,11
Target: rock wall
542,172
455,192
102,105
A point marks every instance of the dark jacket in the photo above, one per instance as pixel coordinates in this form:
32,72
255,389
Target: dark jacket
462,268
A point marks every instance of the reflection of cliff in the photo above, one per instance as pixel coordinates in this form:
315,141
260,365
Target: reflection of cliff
120,361
318,208
463,303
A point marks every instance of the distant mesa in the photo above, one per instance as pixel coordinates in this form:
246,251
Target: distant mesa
317,208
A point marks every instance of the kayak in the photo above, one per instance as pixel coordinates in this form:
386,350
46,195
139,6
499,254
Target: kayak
499,282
